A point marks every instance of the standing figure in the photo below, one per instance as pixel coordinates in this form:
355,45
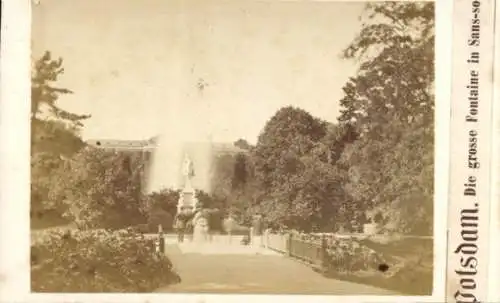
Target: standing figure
160,248
180,227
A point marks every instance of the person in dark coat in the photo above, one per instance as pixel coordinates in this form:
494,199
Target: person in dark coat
180,227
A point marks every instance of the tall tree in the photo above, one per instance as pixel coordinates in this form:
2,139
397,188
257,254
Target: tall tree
54,131
396,48
285,169
288,135
391,104
44,93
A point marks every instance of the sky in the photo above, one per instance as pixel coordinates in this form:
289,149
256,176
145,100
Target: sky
196,69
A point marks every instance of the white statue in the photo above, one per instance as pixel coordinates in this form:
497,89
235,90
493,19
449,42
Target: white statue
188,168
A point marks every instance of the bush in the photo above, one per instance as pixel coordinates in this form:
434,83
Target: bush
165,199
97,261
350,255
160,217
404,265
100,189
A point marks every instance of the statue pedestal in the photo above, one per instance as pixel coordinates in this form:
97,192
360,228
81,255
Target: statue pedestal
187,202
187,199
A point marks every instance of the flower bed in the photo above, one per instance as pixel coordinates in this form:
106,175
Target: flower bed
350,255
97,261
405,266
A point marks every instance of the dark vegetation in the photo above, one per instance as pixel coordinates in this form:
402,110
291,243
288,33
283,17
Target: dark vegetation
97,261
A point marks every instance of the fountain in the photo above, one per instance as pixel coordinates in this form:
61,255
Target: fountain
189,206
188,202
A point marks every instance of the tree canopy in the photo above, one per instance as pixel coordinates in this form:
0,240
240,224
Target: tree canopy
391,104
54,131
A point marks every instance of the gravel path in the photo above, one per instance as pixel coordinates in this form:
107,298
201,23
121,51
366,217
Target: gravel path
209,272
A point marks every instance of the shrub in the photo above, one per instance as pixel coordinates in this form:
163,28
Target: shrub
160,217
408,263
97,261
100,189
165,199
351,255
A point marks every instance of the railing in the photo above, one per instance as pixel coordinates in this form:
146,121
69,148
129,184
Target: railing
276,242
310,249
307,249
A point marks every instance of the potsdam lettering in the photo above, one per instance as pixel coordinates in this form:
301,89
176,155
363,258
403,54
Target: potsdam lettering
467,250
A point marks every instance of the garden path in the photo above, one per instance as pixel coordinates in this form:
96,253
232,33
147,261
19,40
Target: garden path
239,271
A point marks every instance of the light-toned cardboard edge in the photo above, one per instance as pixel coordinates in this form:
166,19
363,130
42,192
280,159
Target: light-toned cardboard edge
14,150
494,275
461,285
14,133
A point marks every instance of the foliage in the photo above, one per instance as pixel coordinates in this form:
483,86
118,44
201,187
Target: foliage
54,135
44,95
206,200
277,160
350,255
240,172
390,103
215,219
312,175
54,129
159,207
233,185
296,165
53,142
100,189
243,144
290,134
408,266
308,198
98,261
394,83
164,200
160,217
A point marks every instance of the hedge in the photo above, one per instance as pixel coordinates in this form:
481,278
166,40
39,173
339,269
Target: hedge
97,261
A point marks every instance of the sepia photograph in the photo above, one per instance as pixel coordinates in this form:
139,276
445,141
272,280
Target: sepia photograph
233,147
